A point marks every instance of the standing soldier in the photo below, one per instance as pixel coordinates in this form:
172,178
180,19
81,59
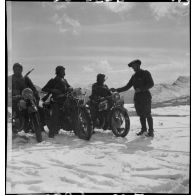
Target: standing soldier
141,81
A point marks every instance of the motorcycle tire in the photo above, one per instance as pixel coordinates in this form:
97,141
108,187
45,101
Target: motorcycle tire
35,122
19,125
84,125
113,123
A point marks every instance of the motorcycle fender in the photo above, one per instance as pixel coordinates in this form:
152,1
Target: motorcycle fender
113,108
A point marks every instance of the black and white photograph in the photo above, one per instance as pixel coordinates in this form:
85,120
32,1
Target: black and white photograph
98,97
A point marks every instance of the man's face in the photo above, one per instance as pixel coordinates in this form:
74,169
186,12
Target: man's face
101,80
62,73
136,67
18,71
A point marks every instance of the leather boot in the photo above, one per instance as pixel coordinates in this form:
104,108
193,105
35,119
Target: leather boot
143,124
150,125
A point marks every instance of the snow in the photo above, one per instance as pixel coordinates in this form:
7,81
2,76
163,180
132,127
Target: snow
105,163
182,110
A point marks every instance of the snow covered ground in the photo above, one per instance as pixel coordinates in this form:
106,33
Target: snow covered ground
105,163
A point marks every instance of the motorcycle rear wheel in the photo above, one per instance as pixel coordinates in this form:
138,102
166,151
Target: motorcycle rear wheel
84,125
118,116
35,123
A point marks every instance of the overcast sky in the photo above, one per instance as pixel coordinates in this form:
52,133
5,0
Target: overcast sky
92,38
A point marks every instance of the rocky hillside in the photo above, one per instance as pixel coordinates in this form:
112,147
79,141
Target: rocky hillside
180,89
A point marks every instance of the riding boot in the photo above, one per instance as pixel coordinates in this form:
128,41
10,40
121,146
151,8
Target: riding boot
143,126
150,125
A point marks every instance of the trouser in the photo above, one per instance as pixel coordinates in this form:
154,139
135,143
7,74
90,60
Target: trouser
149,121
142,103
54,127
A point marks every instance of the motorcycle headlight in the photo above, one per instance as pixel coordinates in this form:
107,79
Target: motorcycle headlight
27,93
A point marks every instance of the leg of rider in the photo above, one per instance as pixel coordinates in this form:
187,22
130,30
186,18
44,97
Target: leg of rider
94,112
54,120
26,120
42,118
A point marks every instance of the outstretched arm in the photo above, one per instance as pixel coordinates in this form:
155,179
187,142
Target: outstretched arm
126,87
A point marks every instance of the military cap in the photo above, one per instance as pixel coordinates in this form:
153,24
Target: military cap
135,62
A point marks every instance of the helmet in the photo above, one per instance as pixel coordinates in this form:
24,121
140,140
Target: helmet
101,76
17,65
59,69
135,62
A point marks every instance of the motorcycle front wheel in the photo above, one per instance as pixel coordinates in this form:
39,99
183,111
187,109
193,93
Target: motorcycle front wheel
35,123
84,125
120,122
18,124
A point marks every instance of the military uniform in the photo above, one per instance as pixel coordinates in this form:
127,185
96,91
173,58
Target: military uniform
142,100
98,90
18,84
62,85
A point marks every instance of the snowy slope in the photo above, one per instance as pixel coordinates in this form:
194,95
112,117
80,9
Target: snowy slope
105,163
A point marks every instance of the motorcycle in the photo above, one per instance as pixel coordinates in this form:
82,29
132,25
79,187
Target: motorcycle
110,114
74,115
26,109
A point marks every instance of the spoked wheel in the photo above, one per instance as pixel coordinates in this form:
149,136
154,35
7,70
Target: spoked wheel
120,122
35,122
84,125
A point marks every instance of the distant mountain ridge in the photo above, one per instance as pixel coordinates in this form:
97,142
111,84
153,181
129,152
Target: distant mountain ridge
162,92
177,92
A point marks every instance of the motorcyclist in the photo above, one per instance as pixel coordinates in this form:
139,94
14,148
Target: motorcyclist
20,82
141,81
56,86
99,91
